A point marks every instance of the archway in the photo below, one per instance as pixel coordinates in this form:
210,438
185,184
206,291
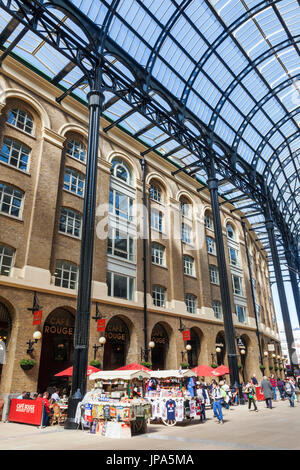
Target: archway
57,348
117,344
159,352
5,330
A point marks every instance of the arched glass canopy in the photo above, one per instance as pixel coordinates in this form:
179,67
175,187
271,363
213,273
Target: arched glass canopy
225,71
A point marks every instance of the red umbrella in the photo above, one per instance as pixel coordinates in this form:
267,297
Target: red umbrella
204,371
69,372
134,366
222,370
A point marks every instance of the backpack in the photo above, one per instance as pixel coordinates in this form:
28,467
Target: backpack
223,393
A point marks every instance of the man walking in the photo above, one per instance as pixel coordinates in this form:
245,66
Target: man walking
290,390
274,384
266,389
216,395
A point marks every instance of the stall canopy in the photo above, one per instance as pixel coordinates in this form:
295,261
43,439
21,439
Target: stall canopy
120,374
222,369
69,372
134,366
163,374
204,371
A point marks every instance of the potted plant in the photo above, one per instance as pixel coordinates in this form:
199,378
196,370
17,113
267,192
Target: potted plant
262,367
27,364
95,363
240,366
147,364
271,367
184,365
281,369
276,369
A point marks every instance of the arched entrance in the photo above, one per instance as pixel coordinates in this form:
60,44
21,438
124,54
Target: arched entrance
5,330
193,354
57,348
117,344
220,348
160,351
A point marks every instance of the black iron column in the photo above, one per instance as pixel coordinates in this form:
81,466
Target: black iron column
280,287
252,293
145,236
294,282
82,321
224,284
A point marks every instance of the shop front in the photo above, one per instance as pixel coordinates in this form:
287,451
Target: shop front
117,344
160,351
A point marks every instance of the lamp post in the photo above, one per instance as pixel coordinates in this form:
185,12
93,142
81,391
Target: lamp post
36,336
102,341
188,348
145,352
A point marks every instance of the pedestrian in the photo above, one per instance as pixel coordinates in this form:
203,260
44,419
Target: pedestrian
251,392
217,402
201,398
254,379
274,384
280,386
55,395
266,389
46,408
225,390
290,391
22,396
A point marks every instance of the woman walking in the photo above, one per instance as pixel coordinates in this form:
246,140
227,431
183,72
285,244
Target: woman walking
251,392
267,390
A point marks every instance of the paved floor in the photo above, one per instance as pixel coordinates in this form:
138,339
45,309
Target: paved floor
276,429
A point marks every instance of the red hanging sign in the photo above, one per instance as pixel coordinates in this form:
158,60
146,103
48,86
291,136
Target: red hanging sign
186,334
37,317
101,325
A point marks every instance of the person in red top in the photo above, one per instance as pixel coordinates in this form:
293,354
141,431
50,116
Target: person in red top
274,385
46,410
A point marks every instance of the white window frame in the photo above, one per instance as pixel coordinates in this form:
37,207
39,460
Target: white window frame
71,270
208,221
17,152
123,214
14,195
188,265
240,290
6,252
159,296
186,233
244,315
72,217
157,220
155,193
158,254
129,285
214,274
217,308
231,260
76,179
227,232
112,250
211,245
120,163
21,120
75,147
191,303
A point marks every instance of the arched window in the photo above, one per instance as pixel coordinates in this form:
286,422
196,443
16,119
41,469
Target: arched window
76,149
121,170
230,232
155,193
15,154
6,260
66,274
10,200
209,221
185,207
20,119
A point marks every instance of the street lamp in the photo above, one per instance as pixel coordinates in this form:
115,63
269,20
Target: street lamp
36,336
151,345
188,348
102,341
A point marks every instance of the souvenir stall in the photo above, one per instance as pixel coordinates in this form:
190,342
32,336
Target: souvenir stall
171,396
115,407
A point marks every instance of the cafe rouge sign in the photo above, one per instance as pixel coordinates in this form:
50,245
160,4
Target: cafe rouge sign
60,325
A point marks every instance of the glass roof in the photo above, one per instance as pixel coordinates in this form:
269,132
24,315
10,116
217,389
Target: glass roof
233,65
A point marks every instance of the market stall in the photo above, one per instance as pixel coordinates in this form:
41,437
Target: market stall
115,407
171,396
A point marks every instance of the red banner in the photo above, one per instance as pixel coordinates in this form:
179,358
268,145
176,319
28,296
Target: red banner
26,411
186,334
101,325
37,317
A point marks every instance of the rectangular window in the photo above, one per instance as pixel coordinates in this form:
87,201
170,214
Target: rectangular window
211,246
233,257
214,274
120,204
10,200
120,244
66,275
70,222
120,286
6,260
188,265
217,308
190,301
158,254
15,154
156,220
237,284
241,313
159,296
186,233
74,182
